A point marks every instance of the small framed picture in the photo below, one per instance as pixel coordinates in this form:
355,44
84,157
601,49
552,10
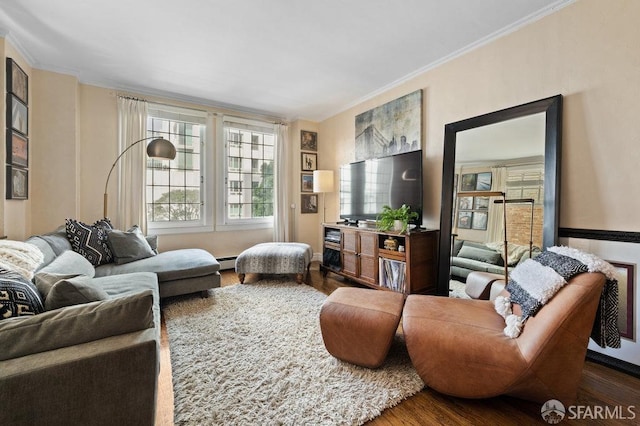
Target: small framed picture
481,203
479,221
625,276
464,220
308,140
17,183
468,182
465,203
306,183
17,149
483,181
308,203
17,81
309,161
17,115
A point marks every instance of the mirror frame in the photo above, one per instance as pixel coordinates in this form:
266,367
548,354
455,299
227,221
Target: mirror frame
552,107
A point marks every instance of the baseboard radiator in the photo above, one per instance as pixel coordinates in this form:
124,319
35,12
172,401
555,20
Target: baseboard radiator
228,262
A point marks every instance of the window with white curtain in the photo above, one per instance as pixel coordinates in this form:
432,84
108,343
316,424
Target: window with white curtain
249,151
176,188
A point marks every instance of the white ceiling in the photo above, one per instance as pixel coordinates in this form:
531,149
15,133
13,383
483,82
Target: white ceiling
286,58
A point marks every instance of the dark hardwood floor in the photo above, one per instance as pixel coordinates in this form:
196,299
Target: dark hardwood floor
601,387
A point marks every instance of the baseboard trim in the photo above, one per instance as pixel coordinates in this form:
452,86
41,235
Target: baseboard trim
615,363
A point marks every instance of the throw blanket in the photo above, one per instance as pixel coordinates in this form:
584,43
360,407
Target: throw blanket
535,282
20,257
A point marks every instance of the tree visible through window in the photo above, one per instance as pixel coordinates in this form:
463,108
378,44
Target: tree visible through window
174,187
250,166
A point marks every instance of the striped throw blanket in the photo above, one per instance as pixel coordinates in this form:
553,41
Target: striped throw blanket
533,283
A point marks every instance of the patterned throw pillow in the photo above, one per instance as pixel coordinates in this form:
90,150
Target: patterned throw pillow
18,296
90,240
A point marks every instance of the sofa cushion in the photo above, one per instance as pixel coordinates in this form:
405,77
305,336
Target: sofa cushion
90,240
18,296
482,255
69,263
169,265
74,291
128,246
76,324
45,280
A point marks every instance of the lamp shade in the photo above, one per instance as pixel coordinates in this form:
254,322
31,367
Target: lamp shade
162,149
323,181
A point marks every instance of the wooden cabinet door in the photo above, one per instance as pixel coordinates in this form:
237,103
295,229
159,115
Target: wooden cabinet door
368,255
349,252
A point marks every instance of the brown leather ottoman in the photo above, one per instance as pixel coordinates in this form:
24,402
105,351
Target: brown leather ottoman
358,325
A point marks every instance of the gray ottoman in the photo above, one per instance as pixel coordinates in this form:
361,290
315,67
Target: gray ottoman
275,258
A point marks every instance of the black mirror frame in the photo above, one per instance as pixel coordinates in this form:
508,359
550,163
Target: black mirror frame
552,107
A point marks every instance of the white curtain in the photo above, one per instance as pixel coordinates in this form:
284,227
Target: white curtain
495,221
131,200
281,185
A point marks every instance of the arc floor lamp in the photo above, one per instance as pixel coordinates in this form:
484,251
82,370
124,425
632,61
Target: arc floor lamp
158,148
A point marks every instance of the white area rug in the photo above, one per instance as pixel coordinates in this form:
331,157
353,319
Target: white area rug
253,354
456,289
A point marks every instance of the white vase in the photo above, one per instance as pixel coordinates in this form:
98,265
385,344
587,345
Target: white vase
398,225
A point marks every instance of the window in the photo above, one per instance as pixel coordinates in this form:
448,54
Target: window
175,188
250,153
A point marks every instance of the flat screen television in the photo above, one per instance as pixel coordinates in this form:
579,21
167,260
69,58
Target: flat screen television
366,186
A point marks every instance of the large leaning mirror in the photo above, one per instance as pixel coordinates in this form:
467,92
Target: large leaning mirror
515,151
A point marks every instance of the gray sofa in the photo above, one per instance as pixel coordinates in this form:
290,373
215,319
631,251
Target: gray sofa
94,363
179,271
469,256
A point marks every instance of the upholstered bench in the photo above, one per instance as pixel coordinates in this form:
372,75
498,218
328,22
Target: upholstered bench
275,258
358,325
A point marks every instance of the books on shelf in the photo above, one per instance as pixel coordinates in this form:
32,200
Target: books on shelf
392,274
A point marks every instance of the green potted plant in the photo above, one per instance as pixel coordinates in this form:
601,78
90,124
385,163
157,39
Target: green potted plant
396,219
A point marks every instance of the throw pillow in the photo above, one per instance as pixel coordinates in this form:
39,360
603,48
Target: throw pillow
129,246
69,262
90,240
46,280
74,291
18,296
153,242
481,255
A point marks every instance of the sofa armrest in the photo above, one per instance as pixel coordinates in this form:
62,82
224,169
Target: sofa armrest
104,382
76,324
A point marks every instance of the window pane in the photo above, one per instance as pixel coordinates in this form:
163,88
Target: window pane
174,186
250,162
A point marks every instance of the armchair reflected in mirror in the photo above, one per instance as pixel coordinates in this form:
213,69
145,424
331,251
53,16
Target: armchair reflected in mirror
515,151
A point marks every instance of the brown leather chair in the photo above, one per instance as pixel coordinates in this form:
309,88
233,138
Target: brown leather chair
458,346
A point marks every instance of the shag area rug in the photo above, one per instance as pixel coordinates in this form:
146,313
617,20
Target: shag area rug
456,289
253,354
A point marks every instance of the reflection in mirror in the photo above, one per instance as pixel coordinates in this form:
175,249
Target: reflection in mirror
515,151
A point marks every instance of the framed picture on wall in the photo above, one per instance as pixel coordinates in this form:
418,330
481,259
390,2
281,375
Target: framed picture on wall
464,220
479,221
626,296
468,182
483,181
17,81
17,149
17,183
306,184
309,162
308,203
308,140
17,115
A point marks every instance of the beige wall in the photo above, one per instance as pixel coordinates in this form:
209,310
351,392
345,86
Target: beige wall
588,53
